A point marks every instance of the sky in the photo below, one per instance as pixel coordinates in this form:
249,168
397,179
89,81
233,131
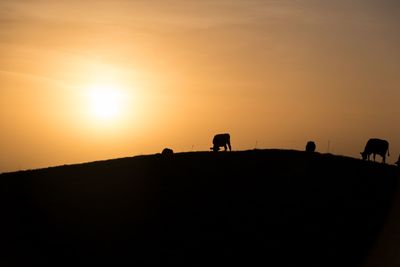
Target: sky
89,80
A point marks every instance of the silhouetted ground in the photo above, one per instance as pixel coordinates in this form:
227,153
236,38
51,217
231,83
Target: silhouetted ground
278,207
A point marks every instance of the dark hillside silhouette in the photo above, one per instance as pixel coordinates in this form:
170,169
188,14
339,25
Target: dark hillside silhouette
274,207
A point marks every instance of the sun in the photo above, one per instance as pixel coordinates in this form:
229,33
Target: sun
105,102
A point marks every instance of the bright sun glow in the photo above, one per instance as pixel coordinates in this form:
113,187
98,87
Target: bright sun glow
105,102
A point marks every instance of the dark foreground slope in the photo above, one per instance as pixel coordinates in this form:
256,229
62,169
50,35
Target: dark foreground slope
284,208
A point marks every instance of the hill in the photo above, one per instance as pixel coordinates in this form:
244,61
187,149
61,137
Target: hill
278,207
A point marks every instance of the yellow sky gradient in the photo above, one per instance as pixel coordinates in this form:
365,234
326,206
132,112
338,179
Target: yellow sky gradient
278,73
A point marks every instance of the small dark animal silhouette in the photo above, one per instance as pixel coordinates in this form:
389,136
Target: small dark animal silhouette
376,146
221,140
310,147
167,151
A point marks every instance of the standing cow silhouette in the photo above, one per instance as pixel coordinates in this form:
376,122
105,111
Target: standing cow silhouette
376,146
310,146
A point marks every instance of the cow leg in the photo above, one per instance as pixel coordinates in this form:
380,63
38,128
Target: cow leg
384,158
225,147
374,156
229,145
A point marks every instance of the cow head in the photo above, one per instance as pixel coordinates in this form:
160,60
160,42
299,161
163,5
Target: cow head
364,155
215,148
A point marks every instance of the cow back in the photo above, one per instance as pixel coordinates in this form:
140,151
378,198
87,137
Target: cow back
221,139
375,145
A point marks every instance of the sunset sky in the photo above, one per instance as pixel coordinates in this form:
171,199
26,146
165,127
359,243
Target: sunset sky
90,80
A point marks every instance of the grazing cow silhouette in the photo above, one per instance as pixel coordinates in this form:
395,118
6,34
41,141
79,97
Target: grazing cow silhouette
310,147
376,146
221,140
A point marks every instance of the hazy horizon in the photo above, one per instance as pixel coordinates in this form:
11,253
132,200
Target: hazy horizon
88,80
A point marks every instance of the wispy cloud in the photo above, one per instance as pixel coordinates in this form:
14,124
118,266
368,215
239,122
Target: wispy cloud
35,77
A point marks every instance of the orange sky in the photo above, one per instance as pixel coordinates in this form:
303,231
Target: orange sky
277,73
